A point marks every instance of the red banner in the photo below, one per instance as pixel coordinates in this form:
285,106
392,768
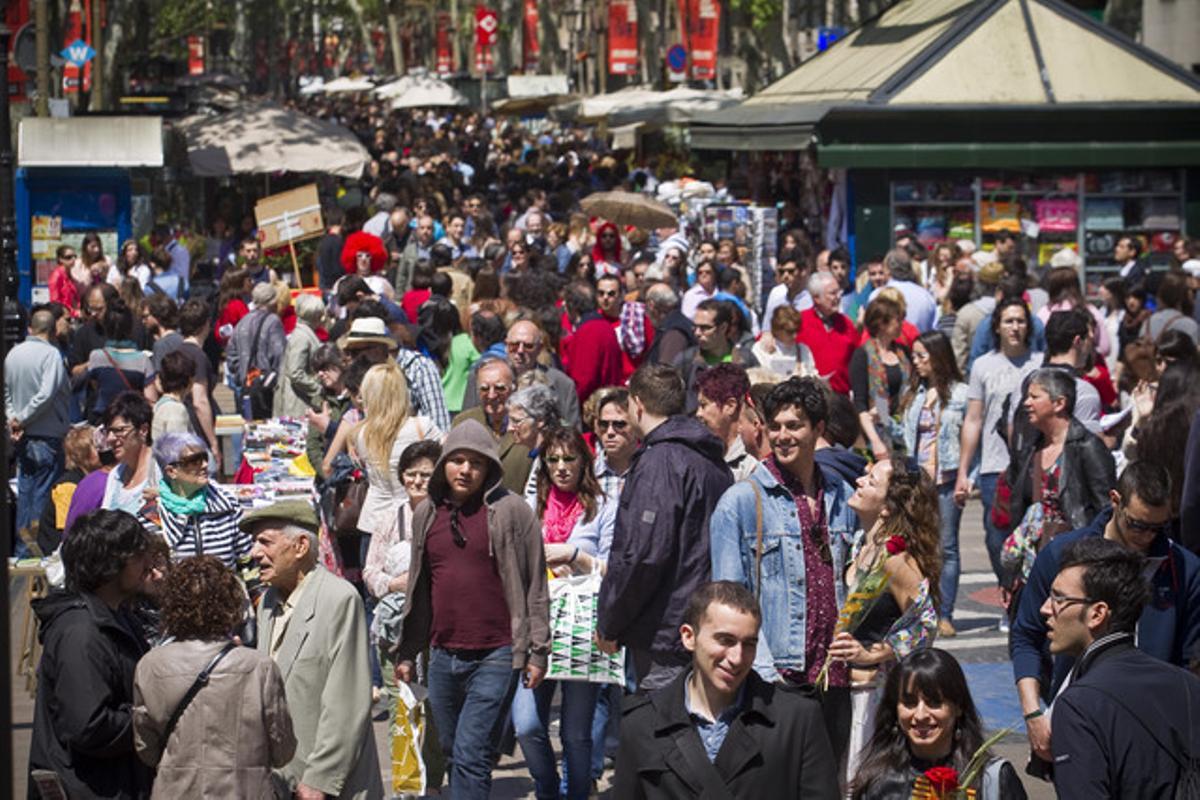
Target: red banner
486,25
529,42
195,55
445,56
701,25
622,37
73,30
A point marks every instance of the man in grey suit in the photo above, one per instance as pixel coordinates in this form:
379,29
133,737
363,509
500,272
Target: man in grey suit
312,623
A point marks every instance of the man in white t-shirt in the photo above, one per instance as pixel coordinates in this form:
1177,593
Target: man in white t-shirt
791,277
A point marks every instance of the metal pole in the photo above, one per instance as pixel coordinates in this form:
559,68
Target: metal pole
42,47
8,250
98,59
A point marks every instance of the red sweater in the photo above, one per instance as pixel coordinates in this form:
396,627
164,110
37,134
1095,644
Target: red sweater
629,365
832,348
592,356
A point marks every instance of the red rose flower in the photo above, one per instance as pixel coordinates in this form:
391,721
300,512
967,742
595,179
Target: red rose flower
895,545
942,779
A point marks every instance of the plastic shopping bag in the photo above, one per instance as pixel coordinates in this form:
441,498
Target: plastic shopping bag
408,732
573,652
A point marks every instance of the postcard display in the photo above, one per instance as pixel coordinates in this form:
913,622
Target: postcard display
757,229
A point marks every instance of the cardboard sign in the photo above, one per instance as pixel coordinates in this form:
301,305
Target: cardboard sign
289,217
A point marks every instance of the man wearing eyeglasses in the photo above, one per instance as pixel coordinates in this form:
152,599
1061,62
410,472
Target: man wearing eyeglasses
478,600
629,321
1169,627
495,383
1126,724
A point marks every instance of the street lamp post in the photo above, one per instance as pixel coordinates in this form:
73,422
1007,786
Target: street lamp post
8,245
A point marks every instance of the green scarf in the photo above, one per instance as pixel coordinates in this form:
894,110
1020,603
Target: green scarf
178,504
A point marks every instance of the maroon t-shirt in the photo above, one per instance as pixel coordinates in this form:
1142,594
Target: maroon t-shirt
469,609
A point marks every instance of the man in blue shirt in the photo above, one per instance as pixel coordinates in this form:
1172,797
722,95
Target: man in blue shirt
1169,627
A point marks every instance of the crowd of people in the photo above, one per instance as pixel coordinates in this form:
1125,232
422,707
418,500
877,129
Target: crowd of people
500,393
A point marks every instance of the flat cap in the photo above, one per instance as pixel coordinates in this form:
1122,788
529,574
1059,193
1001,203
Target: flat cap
294,512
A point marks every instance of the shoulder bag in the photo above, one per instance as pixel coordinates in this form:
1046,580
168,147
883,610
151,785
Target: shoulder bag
198,684
259,385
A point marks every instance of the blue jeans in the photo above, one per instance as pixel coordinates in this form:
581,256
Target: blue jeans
604,725
993,537
951,517
39,464
531,720
470,692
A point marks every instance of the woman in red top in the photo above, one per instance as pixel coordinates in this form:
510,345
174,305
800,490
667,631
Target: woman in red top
231,302
63,288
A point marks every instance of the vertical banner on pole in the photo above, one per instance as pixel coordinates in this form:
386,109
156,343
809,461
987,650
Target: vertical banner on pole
486,25
622,37
529,41
445,58
195,55
703,27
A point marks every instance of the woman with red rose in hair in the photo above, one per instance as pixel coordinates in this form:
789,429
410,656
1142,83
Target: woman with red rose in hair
927,731
899,515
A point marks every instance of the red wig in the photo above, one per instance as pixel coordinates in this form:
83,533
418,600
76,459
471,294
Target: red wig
363,243
598,254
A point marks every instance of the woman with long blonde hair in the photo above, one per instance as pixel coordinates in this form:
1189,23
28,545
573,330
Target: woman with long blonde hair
377,441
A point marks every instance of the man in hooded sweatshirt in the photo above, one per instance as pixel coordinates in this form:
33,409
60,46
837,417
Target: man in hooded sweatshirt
660,547
478,598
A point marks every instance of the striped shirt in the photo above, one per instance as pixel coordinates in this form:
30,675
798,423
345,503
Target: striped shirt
214,532
425,387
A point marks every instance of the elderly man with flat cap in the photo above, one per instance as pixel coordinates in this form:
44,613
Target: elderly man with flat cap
312,623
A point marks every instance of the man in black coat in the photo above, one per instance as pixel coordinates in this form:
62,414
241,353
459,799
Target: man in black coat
83,714
1127,724
718,730
660,550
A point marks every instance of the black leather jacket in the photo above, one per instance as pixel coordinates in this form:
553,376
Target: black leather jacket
1088,473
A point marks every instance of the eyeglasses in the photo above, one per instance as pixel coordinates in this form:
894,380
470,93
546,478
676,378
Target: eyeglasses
615,424
1059,601
1142,526
416,475
67,257
119,432
552,460
495,388
521,345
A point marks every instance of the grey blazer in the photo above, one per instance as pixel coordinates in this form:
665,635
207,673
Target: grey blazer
327,679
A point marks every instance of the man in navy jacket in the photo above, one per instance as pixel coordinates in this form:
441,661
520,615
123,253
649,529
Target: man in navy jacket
1169,626
1126,724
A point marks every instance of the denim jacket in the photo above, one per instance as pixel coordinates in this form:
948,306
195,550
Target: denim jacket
733,541
949,428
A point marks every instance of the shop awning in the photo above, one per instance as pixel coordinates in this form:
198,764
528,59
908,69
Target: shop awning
90,142
270,138
1002,55
1011,155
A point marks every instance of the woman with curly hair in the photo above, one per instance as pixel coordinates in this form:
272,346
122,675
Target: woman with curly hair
927,720
227,739
364,255
898,510
577,525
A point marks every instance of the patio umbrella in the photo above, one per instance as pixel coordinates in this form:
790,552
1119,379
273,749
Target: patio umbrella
421,91
629,208
270,138
347,84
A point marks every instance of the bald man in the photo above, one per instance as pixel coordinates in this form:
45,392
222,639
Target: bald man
524,345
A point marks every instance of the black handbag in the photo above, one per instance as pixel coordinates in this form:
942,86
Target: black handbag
348,499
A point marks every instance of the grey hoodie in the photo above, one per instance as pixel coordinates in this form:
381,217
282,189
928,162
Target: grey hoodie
514,540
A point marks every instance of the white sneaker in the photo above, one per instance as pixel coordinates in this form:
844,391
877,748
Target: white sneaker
1004,623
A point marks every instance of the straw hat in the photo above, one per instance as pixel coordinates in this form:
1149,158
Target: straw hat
366,331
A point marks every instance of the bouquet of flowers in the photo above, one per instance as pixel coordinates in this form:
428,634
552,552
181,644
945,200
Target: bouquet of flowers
869,587
944,783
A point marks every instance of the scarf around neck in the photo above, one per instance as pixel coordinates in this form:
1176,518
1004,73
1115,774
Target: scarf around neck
178,504
562,512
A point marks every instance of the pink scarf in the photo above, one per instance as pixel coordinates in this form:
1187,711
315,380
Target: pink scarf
562,511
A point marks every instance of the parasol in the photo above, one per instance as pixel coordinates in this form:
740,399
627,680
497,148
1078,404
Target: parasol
630,208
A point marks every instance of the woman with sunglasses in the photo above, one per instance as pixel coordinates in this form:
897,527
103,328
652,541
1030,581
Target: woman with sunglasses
898,510
577,523
607,249
197,517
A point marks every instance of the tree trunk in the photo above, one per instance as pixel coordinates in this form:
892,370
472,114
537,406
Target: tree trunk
364,32
393,26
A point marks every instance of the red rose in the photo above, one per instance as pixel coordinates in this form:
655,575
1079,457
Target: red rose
942,779
895,545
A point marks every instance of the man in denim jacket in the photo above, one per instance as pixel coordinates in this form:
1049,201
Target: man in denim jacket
793,554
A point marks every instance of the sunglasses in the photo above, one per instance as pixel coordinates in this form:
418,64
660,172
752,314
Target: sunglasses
456,530
521,345
607,293
194,461
1133,523
614,424
552,460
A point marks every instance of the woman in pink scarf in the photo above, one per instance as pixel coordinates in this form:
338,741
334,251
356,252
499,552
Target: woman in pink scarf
577,522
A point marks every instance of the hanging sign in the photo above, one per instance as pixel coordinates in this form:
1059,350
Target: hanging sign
291,216
622,37
701,26
445,57
196,55
78,53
